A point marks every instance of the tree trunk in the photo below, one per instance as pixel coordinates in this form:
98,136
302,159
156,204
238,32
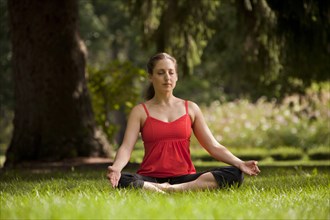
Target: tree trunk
53,113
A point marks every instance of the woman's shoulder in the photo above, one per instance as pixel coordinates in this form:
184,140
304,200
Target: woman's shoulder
194,111
138,110
193,106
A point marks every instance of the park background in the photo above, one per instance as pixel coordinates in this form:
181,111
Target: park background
259,70
72,70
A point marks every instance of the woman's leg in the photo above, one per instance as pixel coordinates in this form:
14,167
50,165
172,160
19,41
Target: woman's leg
216,178
139,181
156,187
204,181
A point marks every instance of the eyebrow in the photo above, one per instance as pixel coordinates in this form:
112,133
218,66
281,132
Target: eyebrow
164,69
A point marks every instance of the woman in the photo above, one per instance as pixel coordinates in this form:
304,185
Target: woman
165,123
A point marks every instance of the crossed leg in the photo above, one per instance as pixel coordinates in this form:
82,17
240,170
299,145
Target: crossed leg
205,181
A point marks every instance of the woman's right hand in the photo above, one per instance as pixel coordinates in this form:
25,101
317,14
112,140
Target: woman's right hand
113,176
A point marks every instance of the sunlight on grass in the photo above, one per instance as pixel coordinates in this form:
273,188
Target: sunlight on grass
276,193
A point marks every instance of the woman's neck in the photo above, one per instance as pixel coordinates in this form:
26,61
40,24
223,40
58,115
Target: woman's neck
165,99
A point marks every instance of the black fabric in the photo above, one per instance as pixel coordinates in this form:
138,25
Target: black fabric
225,176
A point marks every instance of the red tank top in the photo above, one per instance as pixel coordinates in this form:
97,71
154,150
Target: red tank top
166,146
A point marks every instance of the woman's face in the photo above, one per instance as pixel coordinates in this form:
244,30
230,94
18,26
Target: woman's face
164,75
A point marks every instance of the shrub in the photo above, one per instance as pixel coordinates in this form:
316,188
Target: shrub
319,153
199,154
300,121
114,89
286,153
245,154
251,154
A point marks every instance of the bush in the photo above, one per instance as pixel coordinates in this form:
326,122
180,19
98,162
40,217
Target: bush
319,153
245,154
200,154
116,88
300,121
251,154
286,153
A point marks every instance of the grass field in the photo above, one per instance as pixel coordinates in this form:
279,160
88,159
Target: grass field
277,193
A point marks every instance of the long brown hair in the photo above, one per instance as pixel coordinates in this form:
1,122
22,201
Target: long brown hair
150,92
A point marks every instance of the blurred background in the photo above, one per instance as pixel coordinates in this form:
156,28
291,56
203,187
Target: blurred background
259,69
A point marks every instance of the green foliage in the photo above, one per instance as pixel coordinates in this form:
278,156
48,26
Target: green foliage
304,56
243,55
179,27
268,48
246,49
274,194
108,34
301,121
286,153
200,155
116,87
197,89
251,153
319,153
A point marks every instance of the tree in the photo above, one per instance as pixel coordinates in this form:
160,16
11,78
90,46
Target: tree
304,28
6,81
268,48
179,27
53,114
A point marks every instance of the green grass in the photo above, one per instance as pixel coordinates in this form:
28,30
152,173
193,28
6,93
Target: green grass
277,193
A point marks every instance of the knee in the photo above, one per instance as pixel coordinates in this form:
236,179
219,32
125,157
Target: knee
235,176
129,180
229,176
239,176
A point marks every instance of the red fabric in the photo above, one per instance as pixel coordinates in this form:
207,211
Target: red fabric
166,146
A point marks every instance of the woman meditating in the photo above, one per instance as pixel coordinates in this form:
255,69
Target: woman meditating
166,123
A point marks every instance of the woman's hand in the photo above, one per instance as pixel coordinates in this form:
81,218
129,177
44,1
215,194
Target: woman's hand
113,176
250,167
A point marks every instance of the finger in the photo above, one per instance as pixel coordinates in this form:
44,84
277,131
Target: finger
253,173
257,168
114,183
110,175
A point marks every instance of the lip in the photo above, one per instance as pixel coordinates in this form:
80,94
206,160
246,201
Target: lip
167,84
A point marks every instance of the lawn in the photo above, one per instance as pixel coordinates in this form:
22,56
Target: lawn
277,193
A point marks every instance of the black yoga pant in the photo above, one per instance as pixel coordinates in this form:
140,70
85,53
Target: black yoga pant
225,176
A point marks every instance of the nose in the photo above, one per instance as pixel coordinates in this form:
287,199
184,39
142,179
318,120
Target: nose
167,76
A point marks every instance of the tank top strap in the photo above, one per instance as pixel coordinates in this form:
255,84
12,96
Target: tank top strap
145,109
186,105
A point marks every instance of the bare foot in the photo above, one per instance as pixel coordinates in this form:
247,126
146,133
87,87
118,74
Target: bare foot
163,186
153,187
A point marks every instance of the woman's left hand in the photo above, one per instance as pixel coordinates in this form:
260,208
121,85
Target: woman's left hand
250,167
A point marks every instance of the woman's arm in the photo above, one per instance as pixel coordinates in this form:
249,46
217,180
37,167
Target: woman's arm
215,149
125,150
